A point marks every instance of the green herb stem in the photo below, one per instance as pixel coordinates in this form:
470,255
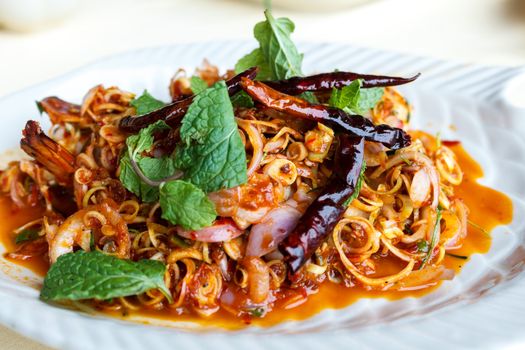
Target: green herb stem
433,240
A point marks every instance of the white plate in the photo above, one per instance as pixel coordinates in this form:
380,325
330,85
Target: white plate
482,307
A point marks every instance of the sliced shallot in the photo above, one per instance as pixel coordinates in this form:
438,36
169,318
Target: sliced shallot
420,188
222,230
274,227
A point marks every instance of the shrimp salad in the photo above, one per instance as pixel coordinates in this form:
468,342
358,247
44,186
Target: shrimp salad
246,193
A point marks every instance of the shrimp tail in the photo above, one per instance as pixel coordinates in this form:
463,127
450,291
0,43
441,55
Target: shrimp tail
59,111
47,152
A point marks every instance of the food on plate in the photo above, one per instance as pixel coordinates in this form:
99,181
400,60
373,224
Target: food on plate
247,194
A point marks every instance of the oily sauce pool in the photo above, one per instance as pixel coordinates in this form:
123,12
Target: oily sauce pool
488,209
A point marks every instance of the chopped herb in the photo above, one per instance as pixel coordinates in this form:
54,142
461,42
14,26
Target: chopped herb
27,235
422,246
257,311
357,186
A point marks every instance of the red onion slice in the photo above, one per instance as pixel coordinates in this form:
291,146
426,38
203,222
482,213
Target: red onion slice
222,230
274,227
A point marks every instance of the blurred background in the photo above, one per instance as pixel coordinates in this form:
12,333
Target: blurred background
40,39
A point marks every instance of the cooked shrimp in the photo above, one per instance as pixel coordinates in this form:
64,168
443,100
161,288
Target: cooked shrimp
76,230
47,152
258,279
60,111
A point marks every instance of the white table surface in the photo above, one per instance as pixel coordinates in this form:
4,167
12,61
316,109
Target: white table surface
478,31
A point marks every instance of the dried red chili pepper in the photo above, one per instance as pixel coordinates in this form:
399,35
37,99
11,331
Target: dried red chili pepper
329,81
323,214
173,112
357,125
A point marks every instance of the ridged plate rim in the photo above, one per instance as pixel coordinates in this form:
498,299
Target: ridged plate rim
496,315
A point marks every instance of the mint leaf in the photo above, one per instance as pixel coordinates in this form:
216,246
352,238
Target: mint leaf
277,47
146,103
255,58
143,141
242,99
157,168
197,84
27,235
132,182
94,275
212,155
348,96
358,185
277,56
369,98
187,205
354,99
309,96
153,168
